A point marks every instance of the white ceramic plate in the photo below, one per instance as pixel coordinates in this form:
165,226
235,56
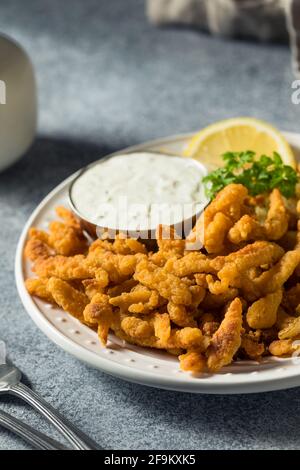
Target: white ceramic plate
144,366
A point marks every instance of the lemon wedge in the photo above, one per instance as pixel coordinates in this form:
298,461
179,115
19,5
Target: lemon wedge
236,135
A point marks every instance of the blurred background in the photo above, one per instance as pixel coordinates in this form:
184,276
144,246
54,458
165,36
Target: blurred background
108,76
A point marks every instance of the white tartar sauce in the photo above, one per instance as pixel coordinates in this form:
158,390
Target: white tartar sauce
138,191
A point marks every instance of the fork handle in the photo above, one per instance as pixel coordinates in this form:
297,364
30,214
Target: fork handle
76,437
35,438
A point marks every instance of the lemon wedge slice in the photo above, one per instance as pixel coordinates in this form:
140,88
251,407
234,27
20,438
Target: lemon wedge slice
236,135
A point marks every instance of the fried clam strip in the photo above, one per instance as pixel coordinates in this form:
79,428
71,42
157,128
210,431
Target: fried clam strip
38,287
68,298
292,329
119,267
234,270
128,246
36,248
275,226
100,312
68,217
192,263
96,285
66,240
192,361
180,315
258,253
155,332
168,285
227,339
245,229
169,242
273,279
277,220
139,300
284,347
64,267
121,245
263,313
220,216
216,232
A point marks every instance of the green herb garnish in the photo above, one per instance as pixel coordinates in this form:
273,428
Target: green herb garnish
258,175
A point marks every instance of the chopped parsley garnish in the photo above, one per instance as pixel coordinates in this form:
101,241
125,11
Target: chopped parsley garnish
258,175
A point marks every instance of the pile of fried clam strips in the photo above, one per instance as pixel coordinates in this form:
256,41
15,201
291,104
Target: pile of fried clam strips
237,297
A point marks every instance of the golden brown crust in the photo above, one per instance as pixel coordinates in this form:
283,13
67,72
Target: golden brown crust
227,339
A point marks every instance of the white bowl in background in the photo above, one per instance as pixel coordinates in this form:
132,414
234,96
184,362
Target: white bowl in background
18,102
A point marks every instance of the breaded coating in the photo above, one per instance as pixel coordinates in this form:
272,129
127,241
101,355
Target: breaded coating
246,229
92,287
274,278
68,217
191,263
263,312
282,347
180,315
68,298
277,219
221,214
227,339
66,240
168,285
38,287
139,300
189,338
236,271
137,328
128,246
291,330
39,234
63,267
36,249
99,311
192,361
216,232
162,327
119,267
169,243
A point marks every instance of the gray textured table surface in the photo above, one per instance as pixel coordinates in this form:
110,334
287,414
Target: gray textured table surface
107,79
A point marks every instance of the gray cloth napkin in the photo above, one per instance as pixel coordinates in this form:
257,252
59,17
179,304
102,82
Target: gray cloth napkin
265,20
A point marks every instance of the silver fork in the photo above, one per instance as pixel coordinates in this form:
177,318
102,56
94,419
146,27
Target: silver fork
37,439
10,383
